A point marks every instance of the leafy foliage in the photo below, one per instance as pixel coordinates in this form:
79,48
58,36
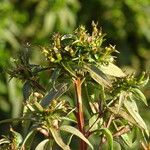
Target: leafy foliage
82,73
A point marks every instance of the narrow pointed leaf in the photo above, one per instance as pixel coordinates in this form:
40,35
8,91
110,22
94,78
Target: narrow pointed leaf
86,97
122,97
127,139
76,132
28,140
68,119
144,78
54,94
122,112
4,141
38,107
132,108
69,69
109,137
98,75
138,95
17,137
26,90
58,139
93,122
55,75
112,70
44,145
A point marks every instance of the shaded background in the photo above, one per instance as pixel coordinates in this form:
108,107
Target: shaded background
31,22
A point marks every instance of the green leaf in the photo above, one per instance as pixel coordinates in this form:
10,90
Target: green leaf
4,141
130,137
54,94
37,106
93,122
132,108
122,112
70,138
28,140
143,79
55,75
69,69
98,75
58,139
16,137
138,95
122,97
127,139
109,136
122,144
112,70
44,145
76,132
86,97
68,119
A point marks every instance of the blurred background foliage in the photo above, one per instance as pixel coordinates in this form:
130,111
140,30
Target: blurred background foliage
31,22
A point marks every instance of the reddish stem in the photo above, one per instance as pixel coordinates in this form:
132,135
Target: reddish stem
79,115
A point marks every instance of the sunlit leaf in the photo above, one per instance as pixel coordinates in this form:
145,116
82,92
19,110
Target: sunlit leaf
143,79
76,132
98,75
127,139
70,138
138,95
122,112
94,107
122,97
93,122
37,106
4,141
58,139
132,108
68,119
44,145
112,70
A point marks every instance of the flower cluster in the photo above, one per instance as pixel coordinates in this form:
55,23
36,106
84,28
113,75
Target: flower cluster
80,46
